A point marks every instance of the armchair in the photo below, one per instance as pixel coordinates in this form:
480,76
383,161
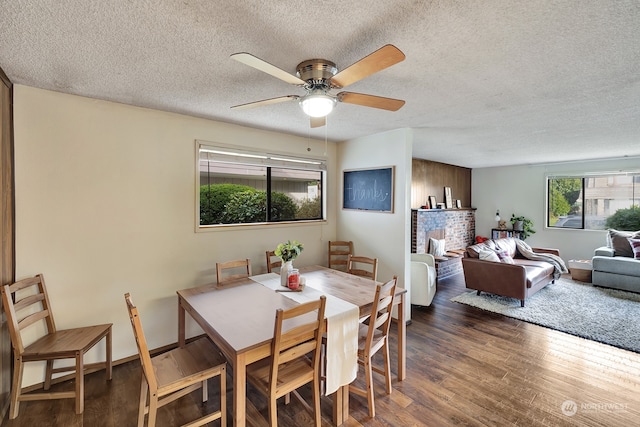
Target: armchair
423,279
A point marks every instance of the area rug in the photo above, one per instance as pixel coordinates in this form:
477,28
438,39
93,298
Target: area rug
605,315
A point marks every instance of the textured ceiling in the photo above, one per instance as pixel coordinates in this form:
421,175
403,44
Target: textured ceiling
486,83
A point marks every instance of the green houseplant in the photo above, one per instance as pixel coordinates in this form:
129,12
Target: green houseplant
522,224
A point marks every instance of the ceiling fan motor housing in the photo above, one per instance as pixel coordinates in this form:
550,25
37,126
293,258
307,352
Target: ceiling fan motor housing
317,73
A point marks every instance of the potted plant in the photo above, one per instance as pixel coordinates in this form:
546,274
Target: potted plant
287,252
523,225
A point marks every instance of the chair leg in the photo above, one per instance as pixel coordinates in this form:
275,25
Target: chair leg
387,367
368,375
317,415
48,374
16,387
273,411
205,391
153,409
108,358
223,396
143,401
79,383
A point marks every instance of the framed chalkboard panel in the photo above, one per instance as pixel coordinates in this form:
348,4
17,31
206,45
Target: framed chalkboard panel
368,189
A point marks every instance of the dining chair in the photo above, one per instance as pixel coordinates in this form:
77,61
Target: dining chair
295,358
354,266
232,268
271,263
176,373
338,253
374,337
26,302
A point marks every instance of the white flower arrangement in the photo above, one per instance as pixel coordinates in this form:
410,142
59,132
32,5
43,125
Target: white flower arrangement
289,251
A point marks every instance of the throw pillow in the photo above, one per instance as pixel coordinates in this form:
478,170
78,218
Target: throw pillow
617,240
505,257
635,247
436,247
488,255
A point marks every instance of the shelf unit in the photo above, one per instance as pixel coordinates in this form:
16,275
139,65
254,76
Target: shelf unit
496,233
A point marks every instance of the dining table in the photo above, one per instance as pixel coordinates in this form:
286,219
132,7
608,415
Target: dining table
238,317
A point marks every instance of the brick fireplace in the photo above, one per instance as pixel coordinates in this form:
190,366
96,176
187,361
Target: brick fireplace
456,226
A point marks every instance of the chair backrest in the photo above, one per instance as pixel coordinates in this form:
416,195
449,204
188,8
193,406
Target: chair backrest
354,268
299,340
380,315
271,264
338,253
141,343
243,265
25,303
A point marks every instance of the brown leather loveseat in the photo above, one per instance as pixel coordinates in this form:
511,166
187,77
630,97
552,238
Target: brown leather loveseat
519,280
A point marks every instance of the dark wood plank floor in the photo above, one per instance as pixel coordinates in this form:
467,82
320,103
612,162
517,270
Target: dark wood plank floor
465,367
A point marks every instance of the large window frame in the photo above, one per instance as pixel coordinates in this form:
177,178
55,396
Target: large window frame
584,201
269,168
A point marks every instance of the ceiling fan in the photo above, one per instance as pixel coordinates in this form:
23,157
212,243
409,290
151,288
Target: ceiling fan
319,76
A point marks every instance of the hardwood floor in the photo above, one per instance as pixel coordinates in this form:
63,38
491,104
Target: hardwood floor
464,367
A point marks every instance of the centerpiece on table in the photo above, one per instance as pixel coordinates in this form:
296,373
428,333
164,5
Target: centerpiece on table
287,252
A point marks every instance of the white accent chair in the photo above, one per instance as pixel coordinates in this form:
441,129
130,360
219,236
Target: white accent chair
423,279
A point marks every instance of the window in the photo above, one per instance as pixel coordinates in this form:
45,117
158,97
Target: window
241,187
591,201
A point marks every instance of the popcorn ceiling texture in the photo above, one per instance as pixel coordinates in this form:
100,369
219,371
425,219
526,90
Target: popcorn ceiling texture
483,81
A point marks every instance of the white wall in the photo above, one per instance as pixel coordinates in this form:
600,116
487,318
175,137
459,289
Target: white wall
522,190
385,236
105,205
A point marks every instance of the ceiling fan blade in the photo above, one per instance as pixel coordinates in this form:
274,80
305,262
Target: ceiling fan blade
265,67
371,101
382,58
266,102
317,122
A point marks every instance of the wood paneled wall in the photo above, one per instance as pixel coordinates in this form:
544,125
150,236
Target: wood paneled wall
429,179
7,221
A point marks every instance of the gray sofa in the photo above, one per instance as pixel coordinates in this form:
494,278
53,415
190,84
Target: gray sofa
614,265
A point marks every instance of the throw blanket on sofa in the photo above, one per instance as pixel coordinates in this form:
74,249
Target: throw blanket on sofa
559,266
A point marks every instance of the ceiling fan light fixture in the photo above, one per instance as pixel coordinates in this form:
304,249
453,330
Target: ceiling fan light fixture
317,105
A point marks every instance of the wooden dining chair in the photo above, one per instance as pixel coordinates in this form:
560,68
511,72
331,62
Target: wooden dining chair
295,358
355,266
271,263
338,253
176,373
231,270
26,302
374,337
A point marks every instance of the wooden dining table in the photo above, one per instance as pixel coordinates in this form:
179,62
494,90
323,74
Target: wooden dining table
238,317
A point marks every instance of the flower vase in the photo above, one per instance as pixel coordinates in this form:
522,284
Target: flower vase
284,272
